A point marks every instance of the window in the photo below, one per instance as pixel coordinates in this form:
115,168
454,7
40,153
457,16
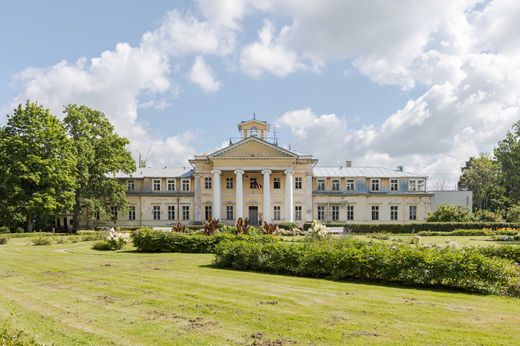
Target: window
229,212
350,212
321,212
393,213
321,185
334,210
185,212
130,184
131,213
171,184
171,212
298,212
420,185
394,185
229,183
276,214
276,183
185,185
156,211
374,184
207,212
157,184
335,185
298,182
350,185
412,185
413,212
113,211
253,184
207,183
375,212
253,132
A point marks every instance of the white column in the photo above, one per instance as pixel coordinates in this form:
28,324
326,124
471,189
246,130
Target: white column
216,193
267,195
197,206
308,198
289,205
239,194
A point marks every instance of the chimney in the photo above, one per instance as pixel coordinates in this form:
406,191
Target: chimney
400,168
348,163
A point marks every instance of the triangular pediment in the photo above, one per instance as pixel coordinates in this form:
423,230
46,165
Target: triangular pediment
253,147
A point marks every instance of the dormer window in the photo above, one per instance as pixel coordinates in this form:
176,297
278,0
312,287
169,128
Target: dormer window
253,132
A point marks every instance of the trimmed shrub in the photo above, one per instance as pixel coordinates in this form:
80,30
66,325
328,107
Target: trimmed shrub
487,216
287,225
147,240
509,252
3,241
397,228
102,245
468,269
4,229
42,240
450,213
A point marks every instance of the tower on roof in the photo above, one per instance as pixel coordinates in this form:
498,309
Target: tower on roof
253,128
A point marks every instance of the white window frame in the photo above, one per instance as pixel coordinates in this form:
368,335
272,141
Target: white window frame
171,184
208,212
334,212
375,213
350,212
185,184
171,212
277,184
412,215
321,184
336,183
156,184
298,212
298,183
207,183
394,184
130,185
185,212
394,213
277,212
131,213
321,212
156,212
229,183
375,184
350,185
229,212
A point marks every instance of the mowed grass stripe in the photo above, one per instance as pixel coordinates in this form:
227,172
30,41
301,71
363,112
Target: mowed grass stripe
176,299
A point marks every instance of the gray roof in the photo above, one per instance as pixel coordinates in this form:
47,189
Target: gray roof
165,172
369,172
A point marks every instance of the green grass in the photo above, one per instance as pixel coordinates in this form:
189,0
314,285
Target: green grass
70,294
441,240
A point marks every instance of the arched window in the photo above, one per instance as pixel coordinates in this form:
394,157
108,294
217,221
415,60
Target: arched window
253,132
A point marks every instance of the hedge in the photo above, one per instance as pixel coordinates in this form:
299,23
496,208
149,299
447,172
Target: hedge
147,240
510,252
467,270
416,227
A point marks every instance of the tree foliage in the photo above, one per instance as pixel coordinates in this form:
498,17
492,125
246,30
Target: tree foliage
507,154
483,176
450,213
100,153
37,165
513,214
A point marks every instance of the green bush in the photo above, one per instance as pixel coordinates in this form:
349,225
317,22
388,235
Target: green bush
397,228
4,229
41,240
102,245
3,241
287,225
509,252
468,269
487,216
147,240
513,214
450,213
19,230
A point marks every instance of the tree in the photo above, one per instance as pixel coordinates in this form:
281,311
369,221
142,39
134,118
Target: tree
100,153
513,214
37,165
483,176
508,155
450,213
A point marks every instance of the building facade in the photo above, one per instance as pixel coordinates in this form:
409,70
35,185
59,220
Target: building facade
257,179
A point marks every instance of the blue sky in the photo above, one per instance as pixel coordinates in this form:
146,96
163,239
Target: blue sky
340,79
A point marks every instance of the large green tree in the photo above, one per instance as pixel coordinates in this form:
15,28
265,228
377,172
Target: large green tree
100,153
508,155
483,176
36,164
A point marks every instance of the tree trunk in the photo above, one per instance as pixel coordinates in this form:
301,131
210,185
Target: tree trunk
29,223
76,212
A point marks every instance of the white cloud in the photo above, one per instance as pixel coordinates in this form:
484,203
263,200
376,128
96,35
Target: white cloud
202,75
268,55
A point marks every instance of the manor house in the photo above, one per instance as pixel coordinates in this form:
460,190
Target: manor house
255,178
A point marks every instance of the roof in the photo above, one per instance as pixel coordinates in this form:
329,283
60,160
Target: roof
369,172
165,172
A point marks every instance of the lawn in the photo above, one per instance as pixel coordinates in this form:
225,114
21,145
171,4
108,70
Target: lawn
70,294
440,240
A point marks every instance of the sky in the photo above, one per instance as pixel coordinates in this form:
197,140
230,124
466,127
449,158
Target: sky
424,84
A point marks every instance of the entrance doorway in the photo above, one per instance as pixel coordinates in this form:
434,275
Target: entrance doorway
253,215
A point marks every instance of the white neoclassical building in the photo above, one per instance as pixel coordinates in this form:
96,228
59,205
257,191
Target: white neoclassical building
255,178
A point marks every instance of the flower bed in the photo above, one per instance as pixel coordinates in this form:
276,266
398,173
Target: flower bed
464,269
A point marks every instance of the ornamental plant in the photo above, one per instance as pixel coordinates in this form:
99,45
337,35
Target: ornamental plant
117,239
317,230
